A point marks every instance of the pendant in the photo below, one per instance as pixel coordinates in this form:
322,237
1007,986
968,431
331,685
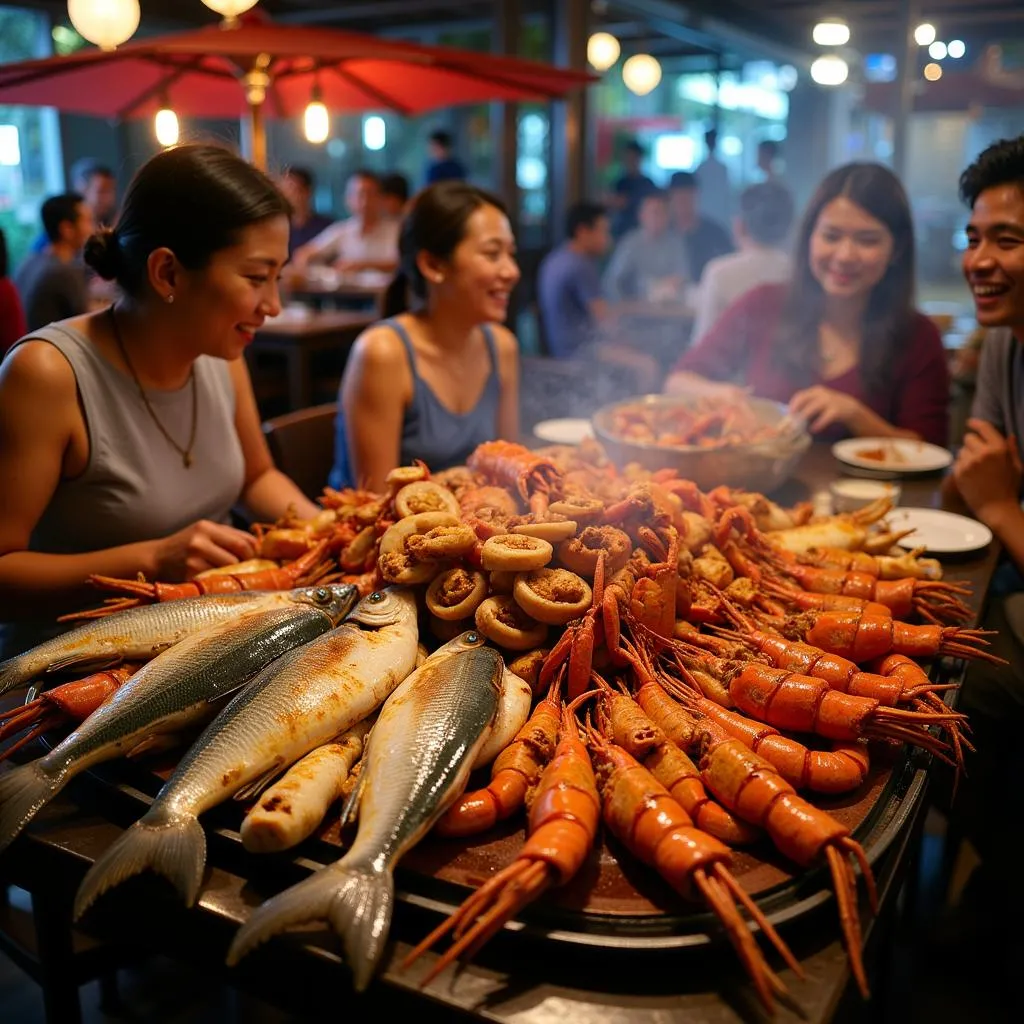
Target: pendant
186,458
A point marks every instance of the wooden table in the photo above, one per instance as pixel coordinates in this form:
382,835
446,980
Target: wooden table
298,339
513,980
347,290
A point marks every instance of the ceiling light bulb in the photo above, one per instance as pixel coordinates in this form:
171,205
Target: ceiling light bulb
933,72
924,34
937,50
165,124
107,23
641,74
831,32
316,122
830,70
602,50
956,48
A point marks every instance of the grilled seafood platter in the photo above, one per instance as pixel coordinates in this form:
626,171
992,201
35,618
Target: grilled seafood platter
541,678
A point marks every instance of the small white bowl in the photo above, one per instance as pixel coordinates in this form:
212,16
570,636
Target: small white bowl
852,493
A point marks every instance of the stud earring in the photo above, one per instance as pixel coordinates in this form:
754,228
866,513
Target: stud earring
170,298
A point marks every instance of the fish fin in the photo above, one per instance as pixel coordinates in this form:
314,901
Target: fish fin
251,790
350,808
97,664
154,743
171,845
357,902
23,792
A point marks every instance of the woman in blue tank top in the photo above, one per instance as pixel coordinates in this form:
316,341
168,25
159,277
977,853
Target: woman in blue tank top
128,434
435,381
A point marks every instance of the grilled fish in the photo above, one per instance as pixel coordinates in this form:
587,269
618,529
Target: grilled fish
137,633
170,692
418,759
298,702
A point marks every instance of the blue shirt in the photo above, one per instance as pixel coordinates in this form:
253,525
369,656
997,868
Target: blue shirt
567,283
298,236
635,188
445,170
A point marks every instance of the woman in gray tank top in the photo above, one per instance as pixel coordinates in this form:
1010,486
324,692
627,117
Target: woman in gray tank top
434,381
127,435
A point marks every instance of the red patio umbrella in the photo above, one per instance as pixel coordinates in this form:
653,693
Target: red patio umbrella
228,71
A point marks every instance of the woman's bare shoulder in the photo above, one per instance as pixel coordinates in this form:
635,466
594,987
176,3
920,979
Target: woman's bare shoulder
38,368
379,348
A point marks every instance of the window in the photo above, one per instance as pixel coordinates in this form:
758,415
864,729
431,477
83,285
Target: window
30,155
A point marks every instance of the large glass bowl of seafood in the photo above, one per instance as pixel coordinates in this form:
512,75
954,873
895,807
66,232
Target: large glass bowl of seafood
747,442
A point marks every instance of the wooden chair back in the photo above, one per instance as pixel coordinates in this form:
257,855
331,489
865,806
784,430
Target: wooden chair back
302,445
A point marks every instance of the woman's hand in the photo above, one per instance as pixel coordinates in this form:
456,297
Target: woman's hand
987,472
822,407
203,545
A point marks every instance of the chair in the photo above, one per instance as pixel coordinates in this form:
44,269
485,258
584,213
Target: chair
302,445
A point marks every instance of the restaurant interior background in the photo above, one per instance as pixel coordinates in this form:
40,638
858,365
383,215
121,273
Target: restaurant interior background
732,65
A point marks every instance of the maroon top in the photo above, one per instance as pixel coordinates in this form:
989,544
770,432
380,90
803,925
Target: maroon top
12,317
741,347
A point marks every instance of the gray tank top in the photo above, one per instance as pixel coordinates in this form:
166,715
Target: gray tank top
134,486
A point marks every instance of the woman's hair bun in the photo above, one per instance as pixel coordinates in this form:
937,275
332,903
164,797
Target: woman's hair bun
103,254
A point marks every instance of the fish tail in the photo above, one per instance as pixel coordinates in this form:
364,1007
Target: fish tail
23,792
13,674
357,902
172,845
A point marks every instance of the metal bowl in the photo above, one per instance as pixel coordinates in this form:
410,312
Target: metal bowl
753,467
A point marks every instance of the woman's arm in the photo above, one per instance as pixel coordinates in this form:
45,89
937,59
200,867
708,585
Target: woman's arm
924,388
38,419
375,390
508,377
267,493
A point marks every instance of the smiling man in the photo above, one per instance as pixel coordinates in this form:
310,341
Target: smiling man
988,470
987,474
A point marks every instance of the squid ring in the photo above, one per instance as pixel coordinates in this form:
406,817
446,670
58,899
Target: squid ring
402,475
581,553
514,552
394,560
502,621
448,629
502,581
552,596
456,594
583,510
527,666
425,496
441,543
551,530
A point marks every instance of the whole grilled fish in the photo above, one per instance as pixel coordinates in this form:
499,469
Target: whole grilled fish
137,633
170,692
298,702
418,760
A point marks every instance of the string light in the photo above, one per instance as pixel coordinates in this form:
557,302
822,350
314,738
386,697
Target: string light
107,23
165,125
933,72
830,70
831,32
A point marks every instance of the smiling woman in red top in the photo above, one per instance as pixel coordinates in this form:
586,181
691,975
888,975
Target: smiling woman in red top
841,343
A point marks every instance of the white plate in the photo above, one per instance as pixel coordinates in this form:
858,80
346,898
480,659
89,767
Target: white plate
567,431
901,454
938,531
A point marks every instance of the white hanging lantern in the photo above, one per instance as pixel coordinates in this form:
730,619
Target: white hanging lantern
641,73
602,50
831,32
165,125
230,9
316,121
107,23
830,70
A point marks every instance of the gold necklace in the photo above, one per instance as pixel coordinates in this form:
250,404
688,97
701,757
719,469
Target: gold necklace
185,453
